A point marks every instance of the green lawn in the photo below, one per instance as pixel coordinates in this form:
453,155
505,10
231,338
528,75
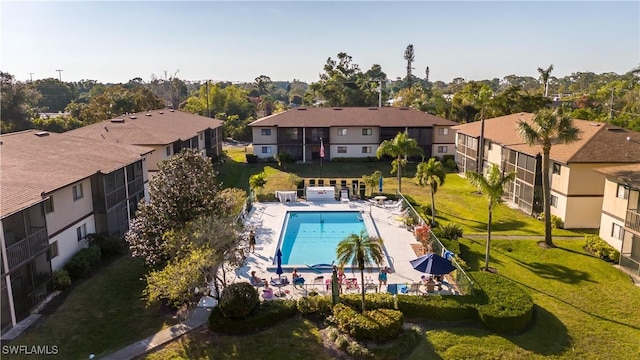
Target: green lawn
585,309
100,315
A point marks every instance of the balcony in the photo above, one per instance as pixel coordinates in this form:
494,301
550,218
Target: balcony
633,220
36,241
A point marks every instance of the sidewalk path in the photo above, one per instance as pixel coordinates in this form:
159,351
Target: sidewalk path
482,236
198,318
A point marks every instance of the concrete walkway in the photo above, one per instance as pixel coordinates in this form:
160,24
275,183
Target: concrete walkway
198,318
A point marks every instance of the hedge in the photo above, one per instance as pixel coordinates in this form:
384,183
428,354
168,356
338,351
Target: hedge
238,300
600,248
312,305
83,261
109,246
509,308
439,307
379,325
265,315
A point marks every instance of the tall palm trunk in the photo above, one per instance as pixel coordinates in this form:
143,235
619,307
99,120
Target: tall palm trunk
488,246
399,173
362,287
546,190
433,208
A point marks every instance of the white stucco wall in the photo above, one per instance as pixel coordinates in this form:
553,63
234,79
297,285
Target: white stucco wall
68,243
353,151
67,211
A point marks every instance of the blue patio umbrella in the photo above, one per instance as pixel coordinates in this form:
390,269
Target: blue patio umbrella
279,261
380,181
432,264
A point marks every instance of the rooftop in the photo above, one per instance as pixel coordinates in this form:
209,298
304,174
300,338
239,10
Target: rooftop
33,162
352,116
156,127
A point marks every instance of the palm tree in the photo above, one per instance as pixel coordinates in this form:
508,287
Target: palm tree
480,99
409,55
493,188
431,174
401,146
361,251
544,76
548,127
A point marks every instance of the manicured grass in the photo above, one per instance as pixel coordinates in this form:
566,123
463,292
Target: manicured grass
585,309
101,315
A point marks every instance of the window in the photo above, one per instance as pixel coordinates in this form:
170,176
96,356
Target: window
617,232
292,134
342,149
53,250
168,150
443,131
77,192
366,149
48,205
623,193
556,168
367,132
81,232
266,150
554,201
442,149
342,132
265,132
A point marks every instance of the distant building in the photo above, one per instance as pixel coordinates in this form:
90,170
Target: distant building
167,131
56,189
354,132
576,190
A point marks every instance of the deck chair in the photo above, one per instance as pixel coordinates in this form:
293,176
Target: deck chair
415,288
351,284
344,197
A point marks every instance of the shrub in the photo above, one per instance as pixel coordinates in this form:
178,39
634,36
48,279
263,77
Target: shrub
448,157
379,325
82,262
61,279
508,309
450,164
251,158
238,300
283,158
320,305
451,231
372,301
451,245
600,248
556,221
265,315
357,351
426,209
110,246
438,307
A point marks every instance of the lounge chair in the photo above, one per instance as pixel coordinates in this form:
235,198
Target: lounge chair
415,288
344,197
351,284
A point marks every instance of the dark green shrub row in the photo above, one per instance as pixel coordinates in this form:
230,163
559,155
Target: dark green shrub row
110,246
556,221
372,301
509,308
251,158
379,325
61,279
265,315
320,305
83,261
238,300
600,248
438,307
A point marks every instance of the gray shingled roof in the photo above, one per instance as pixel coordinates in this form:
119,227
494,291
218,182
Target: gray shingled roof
156,127
32,164
629,174
352,116
599,142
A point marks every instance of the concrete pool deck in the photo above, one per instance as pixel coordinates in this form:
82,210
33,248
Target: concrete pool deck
267,220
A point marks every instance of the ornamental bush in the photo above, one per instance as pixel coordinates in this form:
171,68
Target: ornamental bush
110,246
82,262
600,248
238,300
379,325
311,305
61,279
508,309
265,315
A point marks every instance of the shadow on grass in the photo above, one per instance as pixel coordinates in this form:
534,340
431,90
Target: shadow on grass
547,336
556,272
475,260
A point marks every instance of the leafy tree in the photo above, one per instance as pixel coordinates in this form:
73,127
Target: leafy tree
431,174
371,181
57,124
19,104
547,128
401,146
360,251
56,95
544,77
117,100
258,181
493,188
183,190
283,158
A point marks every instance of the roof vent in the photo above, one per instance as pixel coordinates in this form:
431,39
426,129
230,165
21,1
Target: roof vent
171,110
595,124
301,109
41,133
160,112
372,108
337,108
616,129
117,120
132,117
147,114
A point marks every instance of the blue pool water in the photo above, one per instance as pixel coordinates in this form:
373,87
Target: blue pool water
311,237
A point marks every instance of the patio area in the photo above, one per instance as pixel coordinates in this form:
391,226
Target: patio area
266,219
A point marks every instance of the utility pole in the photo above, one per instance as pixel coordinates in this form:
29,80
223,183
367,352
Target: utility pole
60,74
379,90
30,77
208,111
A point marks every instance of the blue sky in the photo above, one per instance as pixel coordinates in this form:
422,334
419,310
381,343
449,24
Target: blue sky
237,41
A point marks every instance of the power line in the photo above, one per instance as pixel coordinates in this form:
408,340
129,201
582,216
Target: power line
60,74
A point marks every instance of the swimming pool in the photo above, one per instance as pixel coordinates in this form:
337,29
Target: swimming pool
311,237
